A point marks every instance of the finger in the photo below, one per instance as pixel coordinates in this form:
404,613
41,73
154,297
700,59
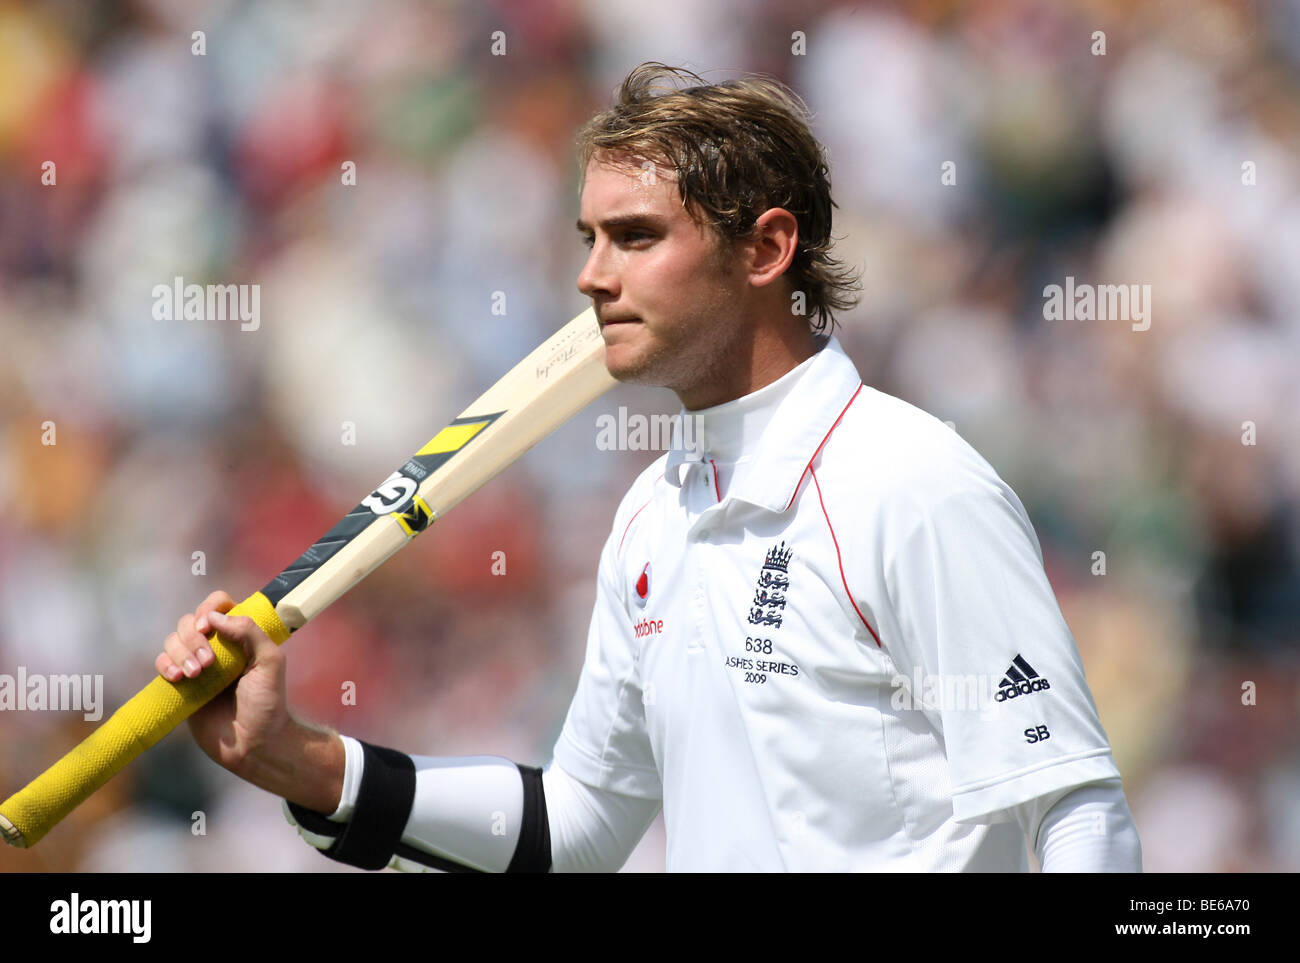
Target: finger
195,640
218,601
167,668
181,657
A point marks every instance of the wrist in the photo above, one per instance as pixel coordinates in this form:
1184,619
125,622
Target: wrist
300,762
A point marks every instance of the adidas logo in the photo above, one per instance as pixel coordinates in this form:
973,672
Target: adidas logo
1021,679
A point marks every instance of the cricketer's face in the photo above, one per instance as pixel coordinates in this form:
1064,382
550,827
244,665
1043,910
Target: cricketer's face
670,310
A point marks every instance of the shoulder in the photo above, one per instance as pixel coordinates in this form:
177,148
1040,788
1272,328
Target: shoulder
889,455
642,491
915,496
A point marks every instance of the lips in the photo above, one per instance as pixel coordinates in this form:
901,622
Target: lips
609,323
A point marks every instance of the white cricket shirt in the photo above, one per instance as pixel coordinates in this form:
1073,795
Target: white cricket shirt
841,653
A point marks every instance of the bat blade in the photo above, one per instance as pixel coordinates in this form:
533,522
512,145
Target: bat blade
560,377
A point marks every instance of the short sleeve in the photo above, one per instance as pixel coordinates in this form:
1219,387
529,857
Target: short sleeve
605,742
976,620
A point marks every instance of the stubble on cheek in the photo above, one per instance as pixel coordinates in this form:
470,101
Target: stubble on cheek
701,350
632,364
698,345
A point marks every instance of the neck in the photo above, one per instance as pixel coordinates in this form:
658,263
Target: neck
770,353
729,432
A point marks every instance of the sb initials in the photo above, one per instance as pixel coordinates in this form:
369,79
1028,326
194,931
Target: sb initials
1037,734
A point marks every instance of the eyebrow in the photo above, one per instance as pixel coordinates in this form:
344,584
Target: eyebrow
625,220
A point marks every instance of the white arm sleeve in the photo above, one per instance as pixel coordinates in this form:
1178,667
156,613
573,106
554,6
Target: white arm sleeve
1085,829
592,830
469,810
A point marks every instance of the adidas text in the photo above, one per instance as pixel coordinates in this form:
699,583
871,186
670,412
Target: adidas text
1020,688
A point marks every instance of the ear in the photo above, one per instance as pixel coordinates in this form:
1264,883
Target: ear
775,239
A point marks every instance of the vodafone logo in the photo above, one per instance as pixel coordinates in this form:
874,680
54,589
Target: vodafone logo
648,627
643,586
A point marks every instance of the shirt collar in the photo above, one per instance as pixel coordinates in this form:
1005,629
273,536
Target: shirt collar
809,402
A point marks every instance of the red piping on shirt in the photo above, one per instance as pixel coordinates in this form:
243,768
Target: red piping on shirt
633,519
840,560
717,491
819,449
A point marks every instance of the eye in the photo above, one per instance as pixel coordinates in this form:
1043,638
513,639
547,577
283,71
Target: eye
588,240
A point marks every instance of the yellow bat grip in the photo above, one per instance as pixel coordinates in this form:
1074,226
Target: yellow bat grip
154,711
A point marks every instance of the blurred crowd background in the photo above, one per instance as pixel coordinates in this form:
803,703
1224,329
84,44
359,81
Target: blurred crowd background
1170,159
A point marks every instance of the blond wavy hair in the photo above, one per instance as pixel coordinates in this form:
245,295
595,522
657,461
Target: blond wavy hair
737,148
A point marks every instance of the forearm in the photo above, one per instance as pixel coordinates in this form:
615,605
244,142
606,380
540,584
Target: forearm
1088,830
302,763
486,814
470,811
593,830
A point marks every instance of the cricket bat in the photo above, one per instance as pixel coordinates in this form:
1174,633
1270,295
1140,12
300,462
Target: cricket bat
562,376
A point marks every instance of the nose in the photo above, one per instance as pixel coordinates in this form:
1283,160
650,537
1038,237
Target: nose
597,276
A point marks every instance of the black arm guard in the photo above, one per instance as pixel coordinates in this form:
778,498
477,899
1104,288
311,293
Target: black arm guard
373,837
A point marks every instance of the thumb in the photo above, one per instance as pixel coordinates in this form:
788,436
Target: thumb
257,646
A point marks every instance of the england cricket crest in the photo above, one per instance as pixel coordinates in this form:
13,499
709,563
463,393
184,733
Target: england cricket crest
770,592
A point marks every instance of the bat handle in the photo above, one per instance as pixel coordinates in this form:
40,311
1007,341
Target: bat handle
150,714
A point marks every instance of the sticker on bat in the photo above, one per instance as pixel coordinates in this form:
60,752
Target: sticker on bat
392,493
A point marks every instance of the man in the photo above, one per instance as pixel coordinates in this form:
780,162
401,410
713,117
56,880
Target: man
772,604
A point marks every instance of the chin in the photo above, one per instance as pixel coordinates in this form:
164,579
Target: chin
626,374
628,366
